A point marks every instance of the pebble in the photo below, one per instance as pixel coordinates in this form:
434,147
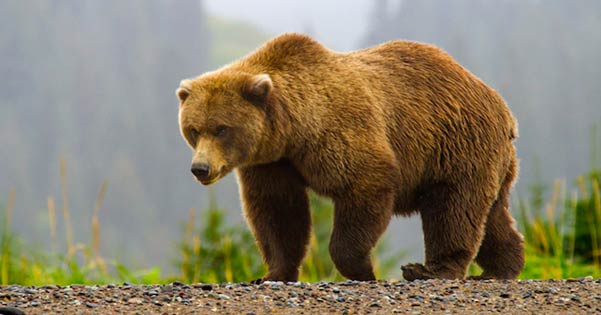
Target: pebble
135,301
223,296
152,292
292,300
11,311
91,305
299,285
347,297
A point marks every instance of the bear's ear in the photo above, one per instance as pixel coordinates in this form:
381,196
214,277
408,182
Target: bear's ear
183,91
257,88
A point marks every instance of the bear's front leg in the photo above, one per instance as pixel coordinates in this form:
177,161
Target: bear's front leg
359,221
276,207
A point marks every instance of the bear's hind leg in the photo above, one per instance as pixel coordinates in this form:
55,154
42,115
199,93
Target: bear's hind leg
501,254
453,226
276,206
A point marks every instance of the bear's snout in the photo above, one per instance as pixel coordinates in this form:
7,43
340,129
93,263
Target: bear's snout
201,171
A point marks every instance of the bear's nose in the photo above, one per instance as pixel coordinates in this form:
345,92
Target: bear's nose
201,171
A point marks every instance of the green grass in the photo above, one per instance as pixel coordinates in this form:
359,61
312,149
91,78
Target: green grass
562,234
81,263
212,252
209,251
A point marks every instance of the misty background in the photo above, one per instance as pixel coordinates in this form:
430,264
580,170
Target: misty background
92,83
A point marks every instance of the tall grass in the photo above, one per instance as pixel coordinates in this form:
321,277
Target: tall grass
212,252
563,234
8,245
80,263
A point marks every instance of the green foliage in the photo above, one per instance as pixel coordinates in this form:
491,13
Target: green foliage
10,269
21,263
213,253
562,234
587,228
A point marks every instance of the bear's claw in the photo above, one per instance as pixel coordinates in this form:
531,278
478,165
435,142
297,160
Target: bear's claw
416,272
257,281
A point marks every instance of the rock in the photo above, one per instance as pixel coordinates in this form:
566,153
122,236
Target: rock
91,305
135,300
152,292
10,311
223,296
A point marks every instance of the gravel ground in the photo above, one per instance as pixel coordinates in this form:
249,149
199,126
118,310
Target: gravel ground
573,296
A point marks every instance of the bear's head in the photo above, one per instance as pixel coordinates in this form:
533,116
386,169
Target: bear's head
223,118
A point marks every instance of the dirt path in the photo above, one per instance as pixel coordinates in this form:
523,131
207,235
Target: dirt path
577,296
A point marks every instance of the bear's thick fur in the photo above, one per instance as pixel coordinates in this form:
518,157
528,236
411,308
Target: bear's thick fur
399,128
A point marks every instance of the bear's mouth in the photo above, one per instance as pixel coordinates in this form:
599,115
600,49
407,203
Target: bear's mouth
207,182
216,176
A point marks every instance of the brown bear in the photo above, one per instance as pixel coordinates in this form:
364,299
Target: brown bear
396,129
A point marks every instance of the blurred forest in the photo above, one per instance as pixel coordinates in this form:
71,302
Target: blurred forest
92,83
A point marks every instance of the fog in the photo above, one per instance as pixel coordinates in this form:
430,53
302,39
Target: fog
92,84
339,25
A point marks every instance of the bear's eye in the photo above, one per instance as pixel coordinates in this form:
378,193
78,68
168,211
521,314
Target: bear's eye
194,135
221,130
